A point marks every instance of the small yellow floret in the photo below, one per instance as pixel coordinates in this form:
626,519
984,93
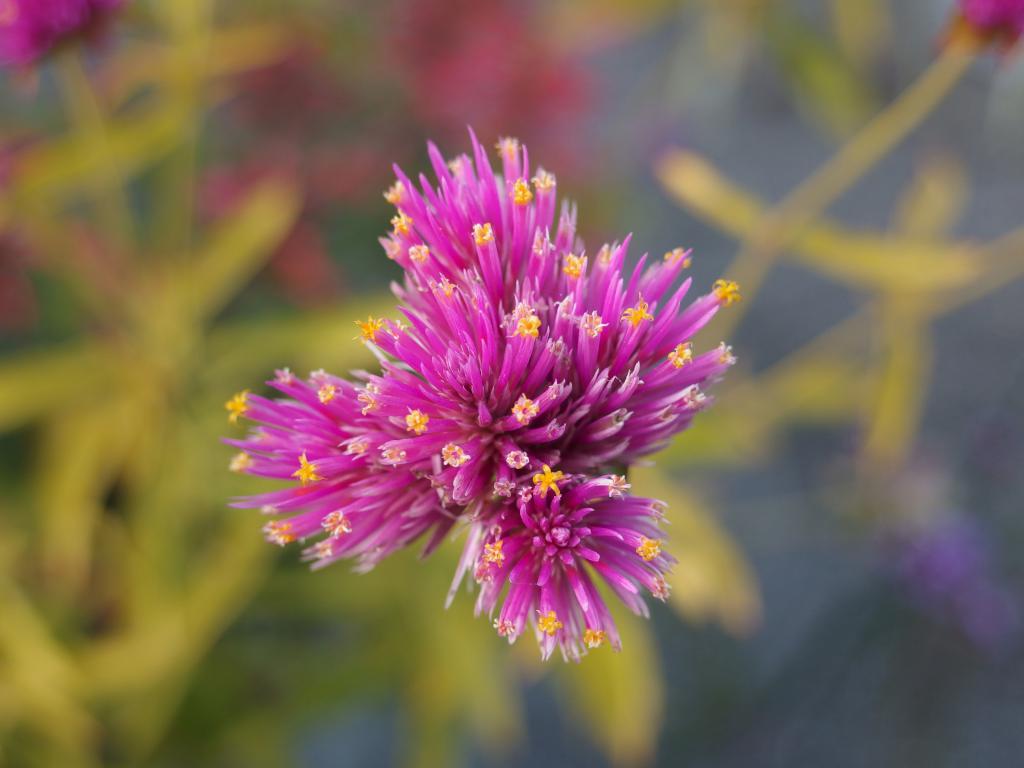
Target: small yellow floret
543,181
727,291
679,254
594,638
401,223
483,233
574,265
521,192
493,553
681,355
237,406
306,473
419,253
454,456
416,421
368,330
524,409
548,623
528,325
639,313
546,479
336,524
648,549
394,193
240,462
326,393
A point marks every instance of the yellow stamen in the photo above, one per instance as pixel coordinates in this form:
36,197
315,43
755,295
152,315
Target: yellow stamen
367,400
483,233
574,265
528,325
237,406
454,456
419,253
548,623
326,393
401,223
357,447
727,291
681,355
594,638
240,462
543,181
605,254
648,549
507,145
636,315
493,554
546,479
395,193
279,532
306,473
591,324
368,330
392,248
447,287
679,254
393,455
336,523
524,409
416,421
521,193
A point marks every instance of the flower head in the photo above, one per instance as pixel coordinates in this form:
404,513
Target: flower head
29,29
526,372
553,549
999,21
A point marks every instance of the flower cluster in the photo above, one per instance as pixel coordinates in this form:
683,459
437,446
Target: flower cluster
30,28
526,372
1000,21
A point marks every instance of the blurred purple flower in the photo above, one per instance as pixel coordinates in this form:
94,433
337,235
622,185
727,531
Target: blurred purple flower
1000,22
995,15
527,371
31,28
947,570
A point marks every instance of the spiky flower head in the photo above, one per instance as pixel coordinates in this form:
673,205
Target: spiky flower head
29,29
527,371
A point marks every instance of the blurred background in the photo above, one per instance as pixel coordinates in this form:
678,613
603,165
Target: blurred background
190,197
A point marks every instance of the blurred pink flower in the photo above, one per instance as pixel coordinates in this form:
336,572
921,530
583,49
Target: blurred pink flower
29,29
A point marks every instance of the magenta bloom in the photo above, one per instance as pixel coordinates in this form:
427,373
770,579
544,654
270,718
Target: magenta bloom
994,18
30,28
525,371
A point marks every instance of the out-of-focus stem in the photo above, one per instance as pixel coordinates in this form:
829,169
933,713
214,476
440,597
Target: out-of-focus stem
88,120
780,225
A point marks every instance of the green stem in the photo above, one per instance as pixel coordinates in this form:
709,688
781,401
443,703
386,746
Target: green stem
88,121
783,223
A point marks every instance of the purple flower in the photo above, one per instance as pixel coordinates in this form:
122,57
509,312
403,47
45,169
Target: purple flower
30,28
994,15
525,367
948,570
549,545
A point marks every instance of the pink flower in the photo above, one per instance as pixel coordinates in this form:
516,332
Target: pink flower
29,29
525,371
